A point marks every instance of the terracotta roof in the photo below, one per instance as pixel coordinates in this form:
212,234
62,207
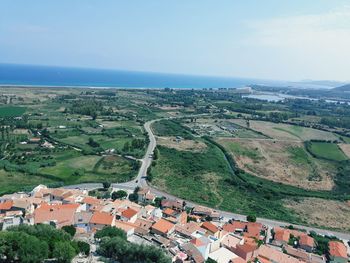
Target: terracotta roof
253,229
274,255
281,234
129,213
91,200
163,226
210,226
168,211
337,249
125,226
6,205
188,228
63,214
101,218
197,242
306,240
234,226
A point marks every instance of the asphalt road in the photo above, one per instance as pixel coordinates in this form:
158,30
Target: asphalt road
142,182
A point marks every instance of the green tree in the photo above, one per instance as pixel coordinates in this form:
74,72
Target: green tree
110,231
71,230
120,194
63,252
251,218
84,247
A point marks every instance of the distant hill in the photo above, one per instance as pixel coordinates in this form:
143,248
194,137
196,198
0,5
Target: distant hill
344,88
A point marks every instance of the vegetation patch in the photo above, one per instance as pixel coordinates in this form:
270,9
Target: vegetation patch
182,144
322,213
325,150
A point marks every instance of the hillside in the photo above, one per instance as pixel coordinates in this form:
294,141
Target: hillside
344,88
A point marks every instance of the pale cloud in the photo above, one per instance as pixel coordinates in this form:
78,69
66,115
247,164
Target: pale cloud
315,43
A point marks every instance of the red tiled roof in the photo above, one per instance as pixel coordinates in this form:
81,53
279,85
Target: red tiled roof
6,205
91,200
63,214
163,226
129,213
209,226
337,249
306,240
101,218
281,234
168,211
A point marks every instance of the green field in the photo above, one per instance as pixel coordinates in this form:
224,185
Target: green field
11,111
170,128
329,151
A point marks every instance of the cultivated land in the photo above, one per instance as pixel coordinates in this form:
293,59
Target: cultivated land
218,148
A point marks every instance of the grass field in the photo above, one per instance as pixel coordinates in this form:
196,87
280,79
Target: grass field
170,128
15,181
285,162
329,151
11,111
91,168
288,132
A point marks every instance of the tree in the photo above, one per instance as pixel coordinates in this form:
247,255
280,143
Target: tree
251,218
209,260
63,252
121,194
109,231
106,185
70,230
84,247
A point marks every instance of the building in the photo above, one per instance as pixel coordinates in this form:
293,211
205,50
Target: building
337,252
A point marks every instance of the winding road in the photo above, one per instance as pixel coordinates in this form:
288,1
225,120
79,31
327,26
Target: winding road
141,181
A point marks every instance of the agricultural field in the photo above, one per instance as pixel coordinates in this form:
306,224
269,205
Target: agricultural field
11,111
345,148
284,162
328,151
280,131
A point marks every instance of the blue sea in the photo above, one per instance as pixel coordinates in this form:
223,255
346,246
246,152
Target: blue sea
22,75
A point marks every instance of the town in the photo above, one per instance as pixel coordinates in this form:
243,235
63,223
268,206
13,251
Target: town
185,233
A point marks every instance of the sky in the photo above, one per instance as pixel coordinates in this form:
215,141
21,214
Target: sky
269,39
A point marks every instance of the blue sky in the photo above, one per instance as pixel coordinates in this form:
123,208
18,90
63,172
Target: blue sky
271,39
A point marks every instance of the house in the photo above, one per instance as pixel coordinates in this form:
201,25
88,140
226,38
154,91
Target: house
12,218
210,227
193,253
205,212
129,215
205,244
82,220
143,226
187,230
175,216
127,227
281,236
268,254
5,206
173,204
230,241
59,214
101,219
145,196
223,255
163,227
307,243
337,252
303,255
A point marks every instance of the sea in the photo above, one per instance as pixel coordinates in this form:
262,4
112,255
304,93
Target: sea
33,75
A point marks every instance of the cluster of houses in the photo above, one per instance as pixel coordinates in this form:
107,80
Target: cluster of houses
189,234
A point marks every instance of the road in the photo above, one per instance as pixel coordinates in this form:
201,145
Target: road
141,181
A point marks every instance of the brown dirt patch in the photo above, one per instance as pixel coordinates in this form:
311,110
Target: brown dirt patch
345,148
182,145
320,212
275,161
